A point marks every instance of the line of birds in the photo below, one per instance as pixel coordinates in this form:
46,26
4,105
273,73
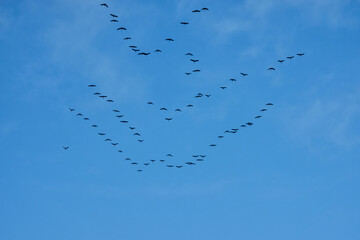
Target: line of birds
196,157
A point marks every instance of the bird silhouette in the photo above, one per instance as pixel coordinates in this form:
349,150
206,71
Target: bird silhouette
190,163
187,73
121,28
169,155
72,109
194,60
66,148
177,110
114,20
263,110
150,103
94,125
124,121
196,70
223,88
128,159
291,57
139,170
205,9
135,50
196,11
109,100
152,160
127,38
207,95
212,145
162,160
97,93
104,5
190,105
86,119
120,151
114,144
102,134
146,164
113,15
120,116
179,166
103,96
257,117
273,69
79,114
163,109
108,139
220,136
244,74
140,140
249,123
232,79
189,54
91,85
132,46
131,128
169,166
136,134
158,51
243,126
169,39
168,119
115,110
300,54
269,104
281,61
184,23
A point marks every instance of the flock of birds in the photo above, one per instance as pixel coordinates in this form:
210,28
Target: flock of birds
196,158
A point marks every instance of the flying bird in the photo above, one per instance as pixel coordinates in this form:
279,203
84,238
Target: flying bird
139,170
140,140
223,88
177,110
103,96
273,69
108,139
131,128
79,114
101,134
188,74
136,134
189,54
120,116
128,159
169,155
134,163
135,50
158,50
132,46
233,79
87,119
220,136
169,166
190,163
114,20
97,93
114,144
203,156
257,117
72,109
269,104
263,110
163,109
109,100
179,166
249,123
104,5
205,9
207,95
117,111
120,151
113,15
152,160
168,119
243,126
300,54
162,160
291,57
281,61
184,23
127,38
66,148
91,85
244,74
190,105
169,39
94,125
194,60
124,121
122,29
212,145
196,11
146,164
196,70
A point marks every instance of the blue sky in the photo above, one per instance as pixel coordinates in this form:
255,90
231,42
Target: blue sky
293,175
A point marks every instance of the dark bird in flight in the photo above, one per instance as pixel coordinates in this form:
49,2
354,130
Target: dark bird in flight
163,109
128,159
150,103
124,121
120,151
200,160
243,126
190,163
244,74
195,156
79,114
223,88
91,85
136,134
104,5
109,100
205,9
114,144
127,38
135,50
233,79
263,110
207,95
66,148
103,96
139,170
249,123
72,109
194,60
203,156
140,140
273,69
269,104
157,50
132,46
101,134
122,29
152,160
113,15
212,145
169,39
134,163
108,139
184,23
189,54
188,74
114,20
162,160
131,128
146,164
257,117
235,129
120,116
196,70
220,136
143,53
190,105
177,110
97,93
169,165
281,61
196,11
168,119
179,166
117,111
87,119
300,54
227,131
291,57
169,155
94,126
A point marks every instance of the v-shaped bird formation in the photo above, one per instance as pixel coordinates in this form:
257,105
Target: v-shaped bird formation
171,114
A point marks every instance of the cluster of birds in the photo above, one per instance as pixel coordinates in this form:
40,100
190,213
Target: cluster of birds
197,158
